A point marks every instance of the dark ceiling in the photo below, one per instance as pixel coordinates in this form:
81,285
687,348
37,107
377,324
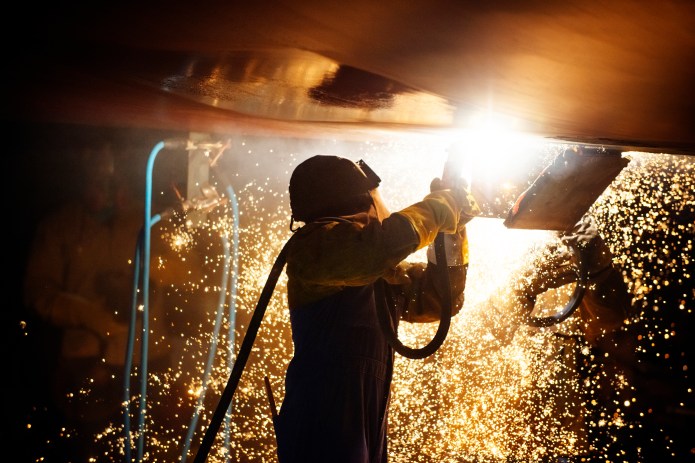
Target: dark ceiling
616,73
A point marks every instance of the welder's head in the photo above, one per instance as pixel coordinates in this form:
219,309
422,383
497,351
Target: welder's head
326,185
99,184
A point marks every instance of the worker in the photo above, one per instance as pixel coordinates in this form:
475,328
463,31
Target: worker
337,384
597,323
79,281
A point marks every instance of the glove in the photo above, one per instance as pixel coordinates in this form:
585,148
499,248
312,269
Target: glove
468,206
594,251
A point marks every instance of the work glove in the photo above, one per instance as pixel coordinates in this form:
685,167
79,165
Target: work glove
456,244
467,205
594,251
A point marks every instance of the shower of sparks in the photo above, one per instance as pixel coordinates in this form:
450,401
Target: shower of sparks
525,395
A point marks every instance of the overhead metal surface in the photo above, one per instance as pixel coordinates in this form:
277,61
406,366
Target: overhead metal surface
617,73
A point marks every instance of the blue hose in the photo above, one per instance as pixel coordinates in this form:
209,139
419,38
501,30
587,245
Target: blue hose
233,278
211,352
130,347
142,248
141,262
232,301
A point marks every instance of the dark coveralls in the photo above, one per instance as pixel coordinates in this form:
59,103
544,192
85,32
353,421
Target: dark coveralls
337,384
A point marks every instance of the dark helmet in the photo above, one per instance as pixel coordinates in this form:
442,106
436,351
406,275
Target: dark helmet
327,185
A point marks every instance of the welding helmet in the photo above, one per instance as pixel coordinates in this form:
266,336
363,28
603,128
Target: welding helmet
327,185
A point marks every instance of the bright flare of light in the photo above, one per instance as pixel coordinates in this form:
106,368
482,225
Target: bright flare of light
490,145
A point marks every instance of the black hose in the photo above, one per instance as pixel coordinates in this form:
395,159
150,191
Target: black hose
388,326
244,352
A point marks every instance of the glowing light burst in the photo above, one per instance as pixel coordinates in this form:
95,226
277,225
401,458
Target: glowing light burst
477,398
492,149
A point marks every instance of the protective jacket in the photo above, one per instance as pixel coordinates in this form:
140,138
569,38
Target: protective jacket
337,384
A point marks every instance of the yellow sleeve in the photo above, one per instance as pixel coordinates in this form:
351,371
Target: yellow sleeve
437,212
326,257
